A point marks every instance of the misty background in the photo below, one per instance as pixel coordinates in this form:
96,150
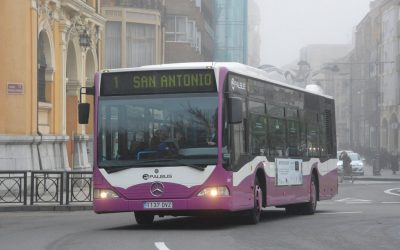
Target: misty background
288,25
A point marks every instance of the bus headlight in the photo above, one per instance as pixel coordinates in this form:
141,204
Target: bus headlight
214,192
104,194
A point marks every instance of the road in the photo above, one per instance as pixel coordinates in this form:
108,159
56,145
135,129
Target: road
362,216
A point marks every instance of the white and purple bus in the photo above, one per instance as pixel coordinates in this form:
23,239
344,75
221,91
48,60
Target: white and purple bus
195,138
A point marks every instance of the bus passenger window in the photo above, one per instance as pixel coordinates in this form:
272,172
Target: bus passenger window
293,138
258,134
277,137
312,140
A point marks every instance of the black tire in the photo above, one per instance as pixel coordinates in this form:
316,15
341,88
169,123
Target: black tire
144,218
307,208
253,216
310,207
292,209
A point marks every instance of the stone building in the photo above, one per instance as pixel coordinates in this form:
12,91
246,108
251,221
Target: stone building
50,48
364,68
389,75
371,72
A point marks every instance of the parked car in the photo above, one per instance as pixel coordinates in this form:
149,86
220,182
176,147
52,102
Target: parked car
357,165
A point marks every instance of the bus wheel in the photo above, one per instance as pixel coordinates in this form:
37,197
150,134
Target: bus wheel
307,208
253,216
144,218
311,206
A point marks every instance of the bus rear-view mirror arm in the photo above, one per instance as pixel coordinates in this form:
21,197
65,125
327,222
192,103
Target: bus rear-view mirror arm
84,108
235,110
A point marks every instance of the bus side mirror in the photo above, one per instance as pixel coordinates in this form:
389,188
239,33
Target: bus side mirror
235,110
84,108
83,111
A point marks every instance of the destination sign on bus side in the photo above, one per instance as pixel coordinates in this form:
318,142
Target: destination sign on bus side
155,82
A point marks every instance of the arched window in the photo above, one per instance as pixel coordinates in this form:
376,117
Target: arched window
42,65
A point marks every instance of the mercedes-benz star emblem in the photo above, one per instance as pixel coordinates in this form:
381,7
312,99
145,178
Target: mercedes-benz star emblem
157,189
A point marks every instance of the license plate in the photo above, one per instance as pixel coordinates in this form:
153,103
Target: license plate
157,205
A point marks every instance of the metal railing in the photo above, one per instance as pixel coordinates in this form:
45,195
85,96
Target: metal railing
42,187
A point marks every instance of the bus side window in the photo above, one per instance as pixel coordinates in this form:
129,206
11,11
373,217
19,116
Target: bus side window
277,137
303,135
258,134
293,147
312,140
322,137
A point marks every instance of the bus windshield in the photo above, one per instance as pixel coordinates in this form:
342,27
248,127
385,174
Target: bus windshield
157,130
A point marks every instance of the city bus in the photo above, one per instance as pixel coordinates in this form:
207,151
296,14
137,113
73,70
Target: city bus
208,138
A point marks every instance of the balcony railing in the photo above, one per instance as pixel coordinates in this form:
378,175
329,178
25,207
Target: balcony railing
45,187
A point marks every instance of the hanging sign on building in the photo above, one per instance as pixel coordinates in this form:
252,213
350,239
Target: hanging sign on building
15,88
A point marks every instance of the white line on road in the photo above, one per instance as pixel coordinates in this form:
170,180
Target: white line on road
161,246
390,202
359,202
352,200
355,212
390,191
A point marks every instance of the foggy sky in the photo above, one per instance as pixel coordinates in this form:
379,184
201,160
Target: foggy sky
289,25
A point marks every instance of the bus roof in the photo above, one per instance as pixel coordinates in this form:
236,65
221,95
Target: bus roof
234,67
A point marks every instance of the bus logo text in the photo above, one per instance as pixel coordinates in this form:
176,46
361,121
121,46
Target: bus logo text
237,84
156,176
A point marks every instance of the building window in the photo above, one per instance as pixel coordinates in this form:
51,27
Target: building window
140,44
113,45
44,67
177,29
181,29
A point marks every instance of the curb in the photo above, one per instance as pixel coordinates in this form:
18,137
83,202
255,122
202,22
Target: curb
45,208
357,178
376,179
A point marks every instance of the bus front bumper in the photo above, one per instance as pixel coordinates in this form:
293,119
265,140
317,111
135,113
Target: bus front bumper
175,206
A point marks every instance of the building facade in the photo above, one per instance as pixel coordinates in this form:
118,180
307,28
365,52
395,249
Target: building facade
365,81
389,78
189,35
53,54
370,76
134,32
231,34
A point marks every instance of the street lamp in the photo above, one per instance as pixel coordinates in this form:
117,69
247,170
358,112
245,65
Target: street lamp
84,39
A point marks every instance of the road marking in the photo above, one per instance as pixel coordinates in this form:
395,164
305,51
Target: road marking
161,246
355,212
361,182
353,200
390,191
359,202
390,202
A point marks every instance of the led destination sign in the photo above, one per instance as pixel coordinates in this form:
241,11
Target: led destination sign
155,82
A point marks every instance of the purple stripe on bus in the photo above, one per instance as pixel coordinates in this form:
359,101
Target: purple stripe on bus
222,75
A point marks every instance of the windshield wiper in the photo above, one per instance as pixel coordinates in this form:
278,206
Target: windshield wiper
113,169
197,167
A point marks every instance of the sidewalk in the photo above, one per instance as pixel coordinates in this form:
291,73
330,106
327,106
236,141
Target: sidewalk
386,175
45,208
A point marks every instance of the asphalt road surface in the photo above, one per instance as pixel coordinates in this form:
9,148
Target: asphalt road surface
365,215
